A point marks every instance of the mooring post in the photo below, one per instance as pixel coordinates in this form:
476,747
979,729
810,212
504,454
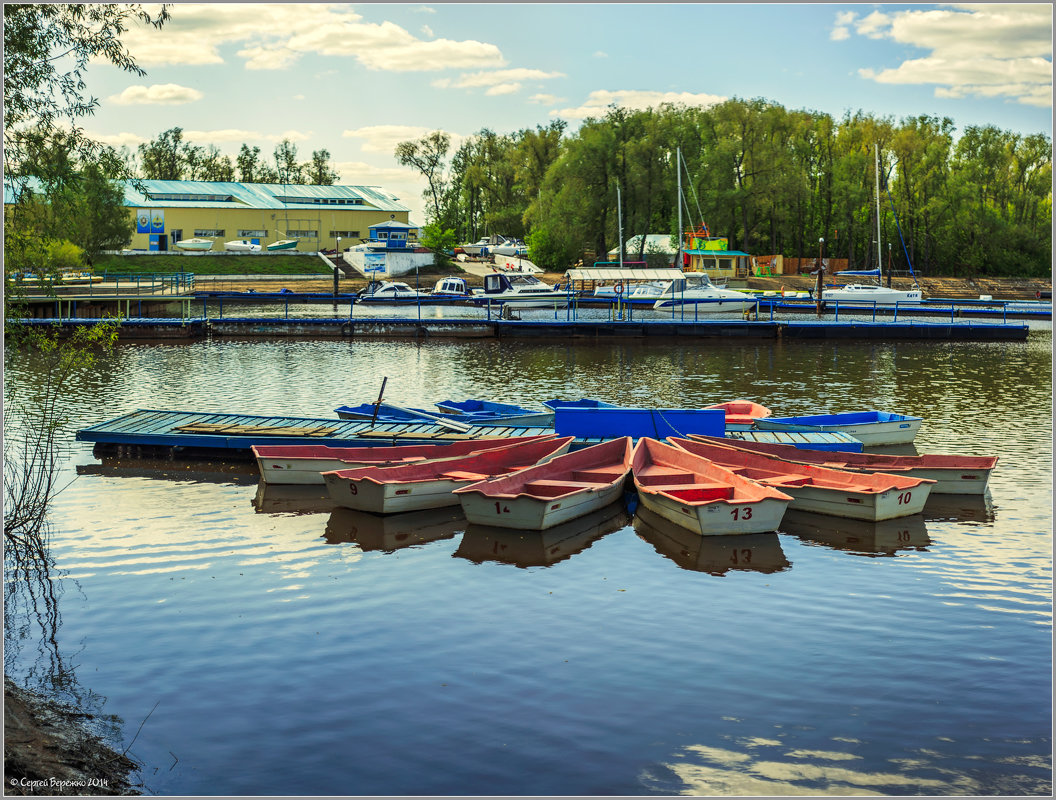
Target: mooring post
821,274
335,285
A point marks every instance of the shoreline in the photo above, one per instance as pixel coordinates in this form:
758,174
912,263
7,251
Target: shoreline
48,750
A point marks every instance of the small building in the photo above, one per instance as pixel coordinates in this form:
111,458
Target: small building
315,217
392,250
658,252
711,254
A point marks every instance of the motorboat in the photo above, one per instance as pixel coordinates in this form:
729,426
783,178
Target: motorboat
510,247
282,244
520,291
194,245
696,289
868,294
496,244
389,291
242,246
455,288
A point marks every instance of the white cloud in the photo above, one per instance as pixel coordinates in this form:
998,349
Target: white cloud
973,50
476,79
425,10
275,35
503,88
841,30
238,136
544,99
160,94
384,138
123,139
427,31
600,54
598,102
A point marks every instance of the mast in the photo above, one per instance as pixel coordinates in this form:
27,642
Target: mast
619,217
879,251
678,200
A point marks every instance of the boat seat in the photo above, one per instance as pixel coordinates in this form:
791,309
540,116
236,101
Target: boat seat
554,488
656,475
461,475
600,474
697,491
788,480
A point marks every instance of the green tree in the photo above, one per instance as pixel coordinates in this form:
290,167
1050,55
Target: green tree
164,158
319,171
288,168
427,155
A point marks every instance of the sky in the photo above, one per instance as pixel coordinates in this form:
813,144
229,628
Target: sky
356,79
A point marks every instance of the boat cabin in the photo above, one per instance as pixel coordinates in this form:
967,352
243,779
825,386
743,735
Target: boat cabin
455,287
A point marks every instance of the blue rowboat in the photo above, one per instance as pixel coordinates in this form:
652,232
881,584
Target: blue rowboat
871,428
486,412
586,402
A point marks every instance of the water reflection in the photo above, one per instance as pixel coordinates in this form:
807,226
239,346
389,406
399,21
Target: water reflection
482,543
392,531
959,508
883,538
198,470
716,555
273,498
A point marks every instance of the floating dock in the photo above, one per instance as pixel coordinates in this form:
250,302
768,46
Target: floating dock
152,432
402,327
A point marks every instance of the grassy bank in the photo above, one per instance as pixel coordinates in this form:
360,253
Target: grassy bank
227,264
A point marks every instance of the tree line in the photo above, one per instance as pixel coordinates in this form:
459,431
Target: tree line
771,180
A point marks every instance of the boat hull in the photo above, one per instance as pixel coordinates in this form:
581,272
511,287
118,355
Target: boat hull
550,300
707,305
284,245
718,518
393,498
533,513
865,506
891,429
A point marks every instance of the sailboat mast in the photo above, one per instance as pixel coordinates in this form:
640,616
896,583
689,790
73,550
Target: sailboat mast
879,251
678,201
619,217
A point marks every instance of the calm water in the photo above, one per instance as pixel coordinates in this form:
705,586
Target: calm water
297,652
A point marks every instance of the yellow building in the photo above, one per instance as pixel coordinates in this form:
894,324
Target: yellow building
304,218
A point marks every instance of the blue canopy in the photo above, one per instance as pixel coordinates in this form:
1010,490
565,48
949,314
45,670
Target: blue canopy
874,272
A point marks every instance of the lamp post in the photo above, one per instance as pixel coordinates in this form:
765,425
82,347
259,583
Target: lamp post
820,273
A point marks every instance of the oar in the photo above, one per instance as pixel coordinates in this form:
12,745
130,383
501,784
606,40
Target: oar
377,405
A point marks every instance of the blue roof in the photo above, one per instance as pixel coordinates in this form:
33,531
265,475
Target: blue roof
716,253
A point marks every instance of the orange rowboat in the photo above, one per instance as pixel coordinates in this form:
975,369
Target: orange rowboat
700,496
429,484
305,463
869,496
952,474
555,492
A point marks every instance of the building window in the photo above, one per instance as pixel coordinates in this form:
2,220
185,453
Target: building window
383,234
344,234
303,234
212,198
253,234
207,232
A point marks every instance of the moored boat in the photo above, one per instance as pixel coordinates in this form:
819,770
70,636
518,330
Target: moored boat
453,288
552,493
390,291
282,244
953,474
429,484
194,245
484,412
305,463
242,246
519,291
869,496
741,414
700,496
871,428
696,289
585,402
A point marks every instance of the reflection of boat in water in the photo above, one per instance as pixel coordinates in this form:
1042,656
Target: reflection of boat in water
716,555
482,543
858,536
274,498
960,508
392,531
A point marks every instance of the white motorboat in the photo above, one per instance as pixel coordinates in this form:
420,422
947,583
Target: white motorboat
387,291
510,247
242,246
868,294
496,244
696,289
520,291
454,288
195,244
